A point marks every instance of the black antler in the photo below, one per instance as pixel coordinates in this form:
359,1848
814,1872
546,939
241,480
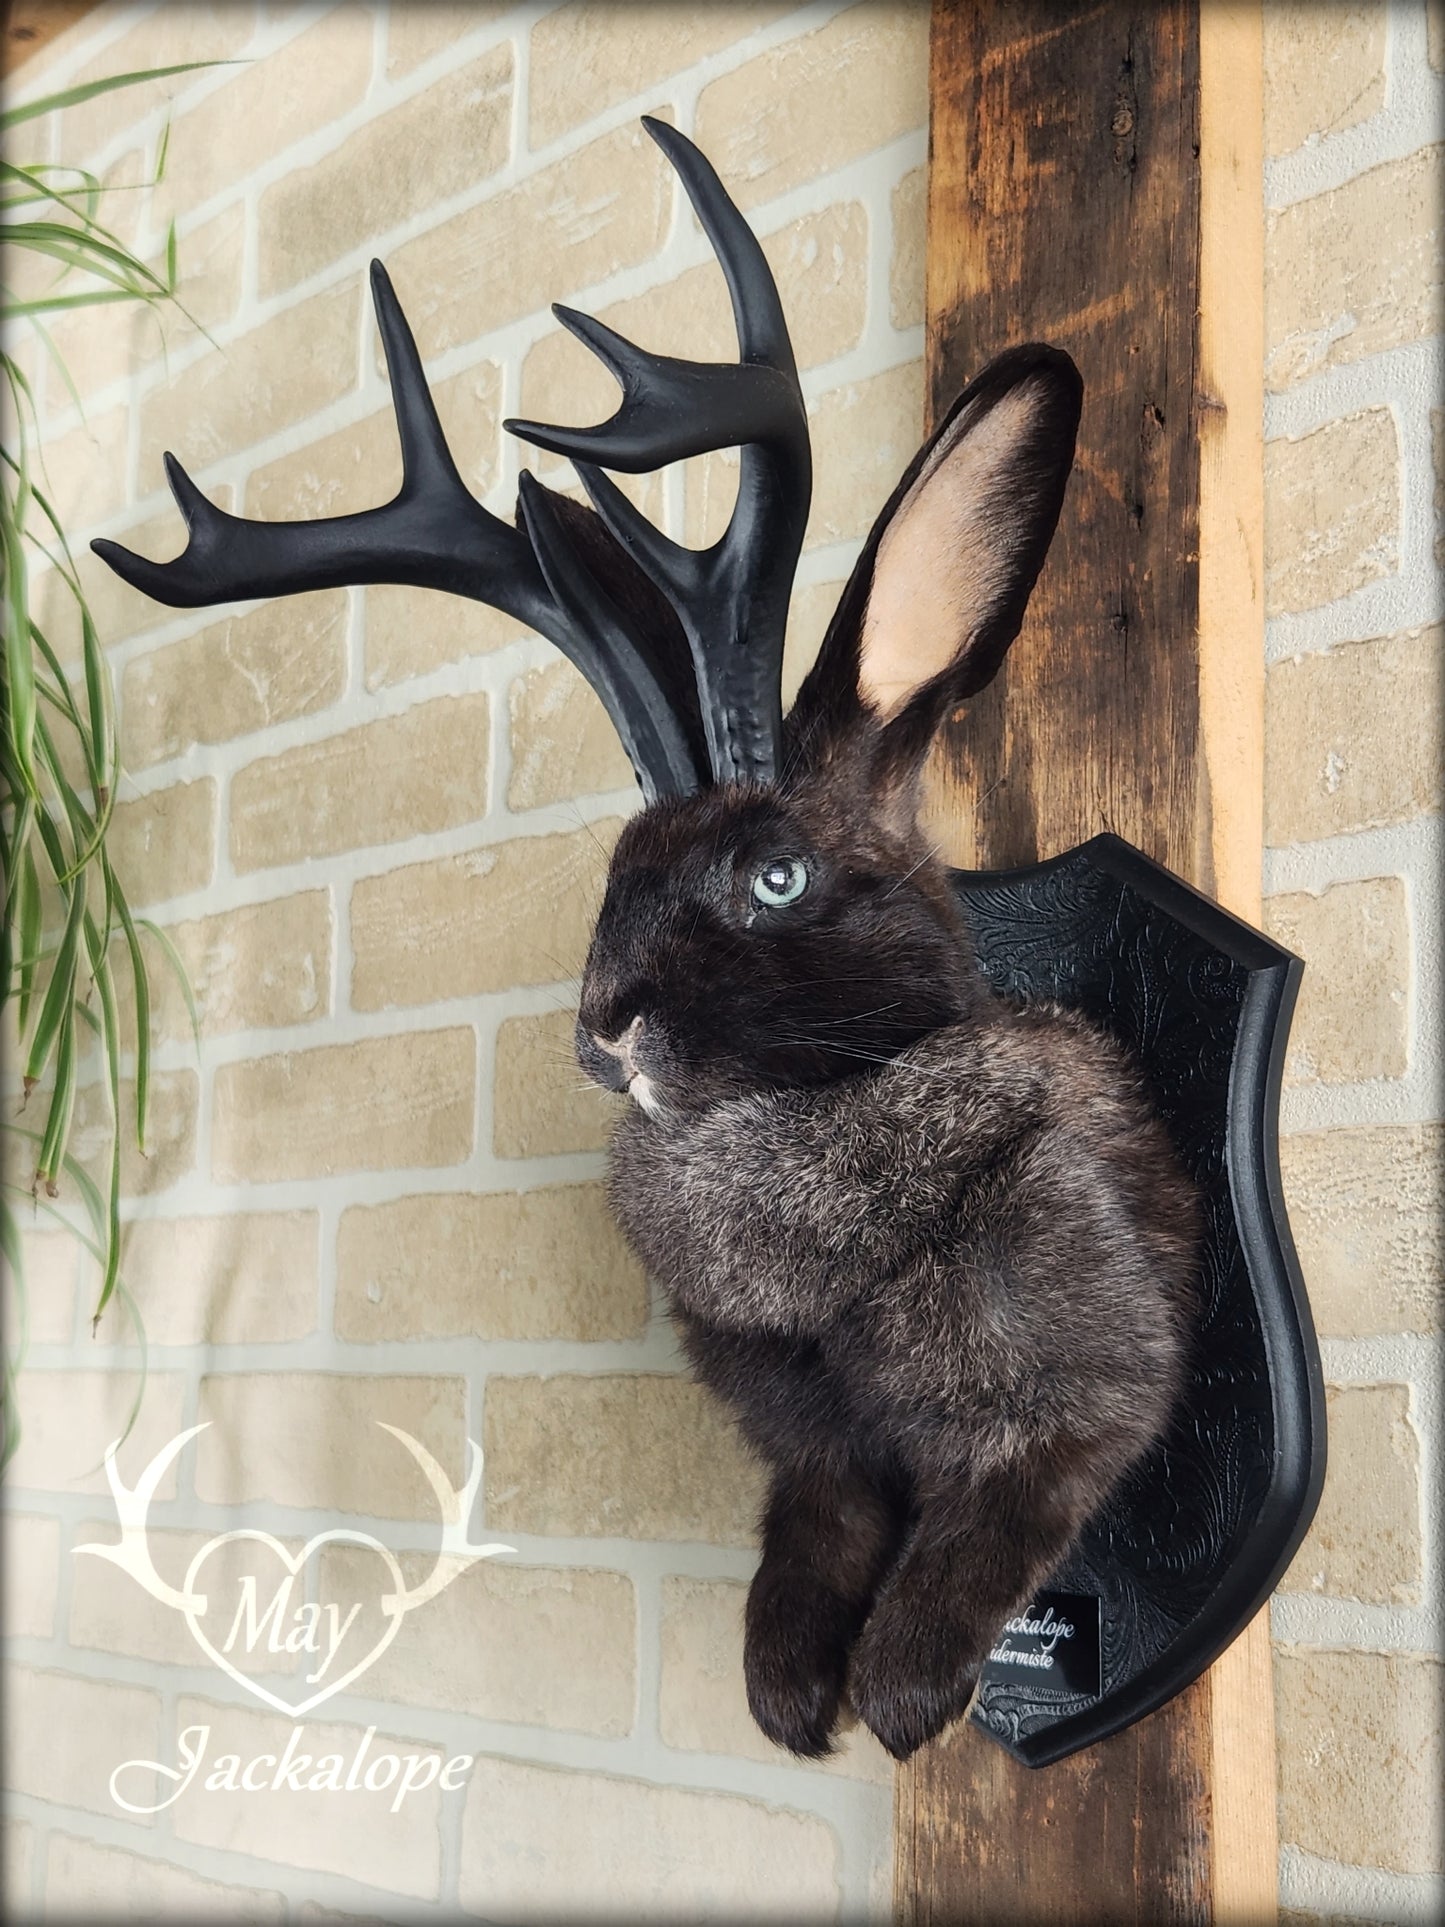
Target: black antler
433,534
731,599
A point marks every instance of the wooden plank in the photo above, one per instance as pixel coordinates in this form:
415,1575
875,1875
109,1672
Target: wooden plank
1117,1834
1231,444
1064,207
30,25
1081,194
1245,1849
1244,1852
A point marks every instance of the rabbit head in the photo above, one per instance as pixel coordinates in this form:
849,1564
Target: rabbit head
790,932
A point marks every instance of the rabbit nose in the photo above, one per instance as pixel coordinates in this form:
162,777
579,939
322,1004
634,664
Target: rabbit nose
624,1047
609,1061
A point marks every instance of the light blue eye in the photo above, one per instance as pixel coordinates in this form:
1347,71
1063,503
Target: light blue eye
782,880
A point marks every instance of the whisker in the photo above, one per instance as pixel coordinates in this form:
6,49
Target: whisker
869,1057
929,855
858,1017
567,976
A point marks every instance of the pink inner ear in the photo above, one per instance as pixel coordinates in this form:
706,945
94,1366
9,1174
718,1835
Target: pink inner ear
946,557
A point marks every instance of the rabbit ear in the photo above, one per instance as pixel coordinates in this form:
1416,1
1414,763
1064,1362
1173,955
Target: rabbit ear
939,591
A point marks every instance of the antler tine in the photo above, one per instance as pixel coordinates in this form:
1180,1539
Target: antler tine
426,461
670,408
648,725
673,408
732,599
762,326
433,534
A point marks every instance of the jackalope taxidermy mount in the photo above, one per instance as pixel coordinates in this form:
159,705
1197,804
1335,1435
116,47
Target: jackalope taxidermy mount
933,1248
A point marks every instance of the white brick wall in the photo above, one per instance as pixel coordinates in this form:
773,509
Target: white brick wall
379,1193
1352,873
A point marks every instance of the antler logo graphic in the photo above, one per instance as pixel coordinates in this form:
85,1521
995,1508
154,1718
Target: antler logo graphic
308,1627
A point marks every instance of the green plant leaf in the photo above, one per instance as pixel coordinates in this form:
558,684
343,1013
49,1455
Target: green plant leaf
59,304
54,848
84,232
19,664
62,1103
140,980
138,1323
40,189
7,931
14,1356
47,341
173,958
10,1427
88,831
55,1010
60,1213
88,90
84,250
98,944
81,251
88,1017
97,693
14,834
51,836
63,695
86,1188
40,192
28,914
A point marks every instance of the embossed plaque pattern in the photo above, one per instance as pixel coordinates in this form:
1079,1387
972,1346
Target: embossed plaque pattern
1191,1545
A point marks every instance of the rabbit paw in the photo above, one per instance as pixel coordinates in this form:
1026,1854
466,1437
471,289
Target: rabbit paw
795,1659
908,1680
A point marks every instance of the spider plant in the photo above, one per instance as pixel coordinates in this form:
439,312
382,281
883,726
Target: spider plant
67,919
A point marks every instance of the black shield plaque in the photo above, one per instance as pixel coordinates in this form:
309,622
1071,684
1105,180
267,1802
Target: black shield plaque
1191,1546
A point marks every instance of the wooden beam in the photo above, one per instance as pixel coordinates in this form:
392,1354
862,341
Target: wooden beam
1095,182
1245,1844
1064,207
29,25
1231,430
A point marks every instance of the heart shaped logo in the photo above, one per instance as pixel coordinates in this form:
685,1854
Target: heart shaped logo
270,1616
272,1622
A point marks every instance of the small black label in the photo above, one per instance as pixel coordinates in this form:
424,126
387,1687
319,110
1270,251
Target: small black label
1053,1643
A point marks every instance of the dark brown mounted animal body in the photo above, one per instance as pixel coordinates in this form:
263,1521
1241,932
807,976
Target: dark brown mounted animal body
933,1250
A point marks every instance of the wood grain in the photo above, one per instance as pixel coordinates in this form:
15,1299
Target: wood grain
1080,193
1245,1842
1117,1836
1231,444
1064,207
28,25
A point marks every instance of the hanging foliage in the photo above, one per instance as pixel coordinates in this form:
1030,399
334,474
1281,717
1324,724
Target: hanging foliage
67,921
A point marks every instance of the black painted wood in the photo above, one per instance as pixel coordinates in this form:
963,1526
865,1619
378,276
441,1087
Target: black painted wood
1189,1549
